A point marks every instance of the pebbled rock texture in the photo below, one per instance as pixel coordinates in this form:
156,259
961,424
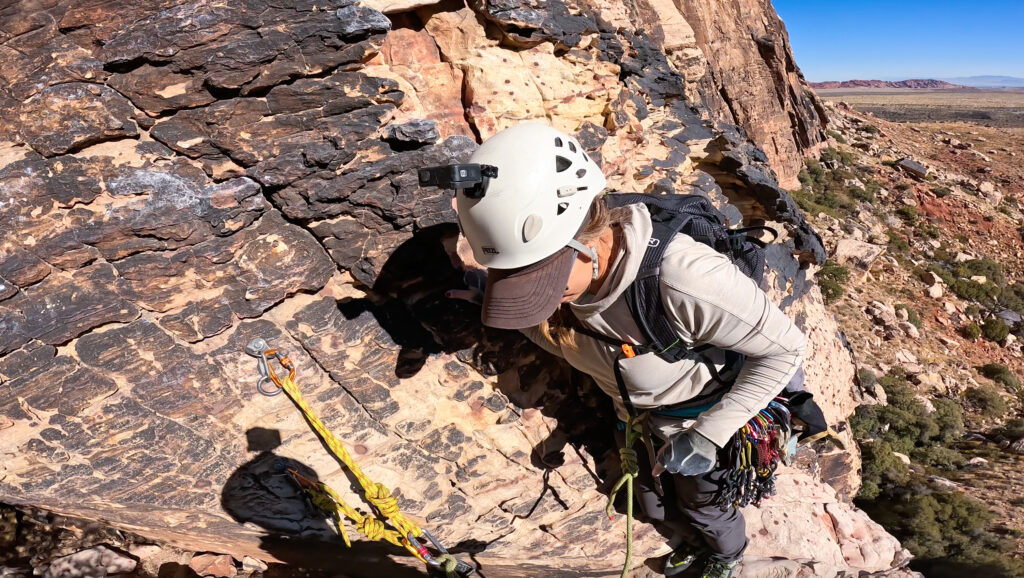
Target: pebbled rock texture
178,177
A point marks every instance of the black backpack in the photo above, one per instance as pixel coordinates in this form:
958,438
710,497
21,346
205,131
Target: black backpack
695,216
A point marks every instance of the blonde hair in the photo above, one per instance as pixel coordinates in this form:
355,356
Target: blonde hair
560,328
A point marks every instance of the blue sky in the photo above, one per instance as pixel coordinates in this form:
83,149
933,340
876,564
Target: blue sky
895,40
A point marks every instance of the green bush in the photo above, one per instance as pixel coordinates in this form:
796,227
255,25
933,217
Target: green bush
948,532
972,311
949,419
834,154
904,423
994,329
929,230
941,192
832,279
988,401
864,195
824,190
999,373
897,244
868,128
880,468
985,267
936,456
942,523
1012,297
971,331
839,138
1012,429
867,378
912,315
973,291
908,214
946,276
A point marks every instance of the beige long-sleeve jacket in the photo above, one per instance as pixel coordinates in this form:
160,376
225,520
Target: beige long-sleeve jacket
708,300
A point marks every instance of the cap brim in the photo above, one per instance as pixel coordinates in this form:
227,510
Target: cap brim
521,298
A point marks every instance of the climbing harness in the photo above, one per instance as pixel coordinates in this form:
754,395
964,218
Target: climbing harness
754,454
403,532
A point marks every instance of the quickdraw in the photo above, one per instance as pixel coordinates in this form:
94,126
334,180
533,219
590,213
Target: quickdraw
402,532
754,455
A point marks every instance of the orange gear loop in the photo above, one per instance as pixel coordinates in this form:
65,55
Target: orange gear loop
405,533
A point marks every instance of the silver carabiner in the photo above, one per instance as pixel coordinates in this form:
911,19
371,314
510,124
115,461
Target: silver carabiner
257,348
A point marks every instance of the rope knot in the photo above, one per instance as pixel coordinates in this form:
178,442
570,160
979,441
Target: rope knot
630,462
371,527
381,498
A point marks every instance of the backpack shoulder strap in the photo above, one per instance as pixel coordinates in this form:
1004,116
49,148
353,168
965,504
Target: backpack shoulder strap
644,294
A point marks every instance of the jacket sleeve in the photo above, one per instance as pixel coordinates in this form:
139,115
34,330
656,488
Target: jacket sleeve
713,302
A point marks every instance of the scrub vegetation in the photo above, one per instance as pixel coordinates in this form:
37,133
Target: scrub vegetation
949,533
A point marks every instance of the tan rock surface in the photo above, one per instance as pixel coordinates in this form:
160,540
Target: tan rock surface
272,192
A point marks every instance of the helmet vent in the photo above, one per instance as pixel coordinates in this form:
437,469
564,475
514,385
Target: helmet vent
531,227
562,207
580,173
558,141
562,164
572,146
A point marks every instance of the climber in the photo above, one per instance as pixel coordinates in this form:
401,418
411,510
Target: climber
559,261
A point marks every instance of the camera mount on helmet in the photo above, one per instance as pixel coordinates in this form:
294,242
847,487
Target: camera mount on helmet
471,178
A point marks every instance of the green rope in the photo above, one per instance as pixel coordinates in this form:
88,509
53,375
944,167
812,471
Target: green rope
448,564
630,470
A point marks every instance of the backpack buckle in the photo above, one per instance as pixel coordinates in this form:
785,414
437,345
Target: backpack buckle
736,241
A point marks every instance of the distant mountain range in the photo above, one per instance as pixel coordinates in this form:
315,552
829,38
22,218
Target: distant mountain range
912,83
989,81
959,82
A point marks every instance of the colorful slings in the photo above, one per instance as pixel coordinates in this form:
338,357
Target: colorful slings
754,455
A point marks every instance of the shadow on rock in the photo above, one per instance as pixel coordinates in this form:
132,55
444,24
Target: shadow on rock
409,302
300,535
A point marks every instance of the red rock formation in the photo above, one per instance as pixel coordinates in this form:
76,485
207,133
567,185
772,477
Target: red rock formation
179,177
736,59
913,83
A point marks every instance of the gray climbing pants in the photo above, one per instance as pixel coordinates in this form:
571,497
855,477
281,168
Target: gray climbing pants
688,508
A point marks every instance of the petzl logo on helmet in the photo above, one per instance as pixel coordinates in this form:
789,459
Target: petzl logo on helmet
654,242
490,250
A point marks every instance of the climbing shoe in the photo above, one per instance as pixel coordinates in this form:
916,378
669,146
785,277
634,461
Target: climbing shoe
719,569
684,556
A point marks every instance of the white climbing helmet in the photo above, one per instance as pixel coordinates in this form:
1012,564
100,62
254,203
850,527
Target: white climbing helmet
537,203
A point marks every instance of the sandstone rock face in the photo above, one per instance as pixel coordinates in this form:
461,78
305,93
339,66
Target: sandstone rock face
179,177
736,58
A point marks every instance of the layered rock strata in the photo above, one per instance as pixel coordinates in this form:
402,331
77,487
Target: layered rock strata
177,178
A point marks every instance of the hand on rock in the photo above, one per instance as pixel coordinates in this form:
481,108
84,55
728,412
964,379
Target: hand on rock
688,454
471,295
475,280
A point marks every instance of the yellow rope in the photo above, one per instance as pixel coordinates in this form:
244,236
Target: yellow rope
376,494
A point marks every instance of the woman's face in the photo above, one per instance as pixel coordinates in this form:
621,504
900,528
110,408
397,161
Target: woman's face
579,279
